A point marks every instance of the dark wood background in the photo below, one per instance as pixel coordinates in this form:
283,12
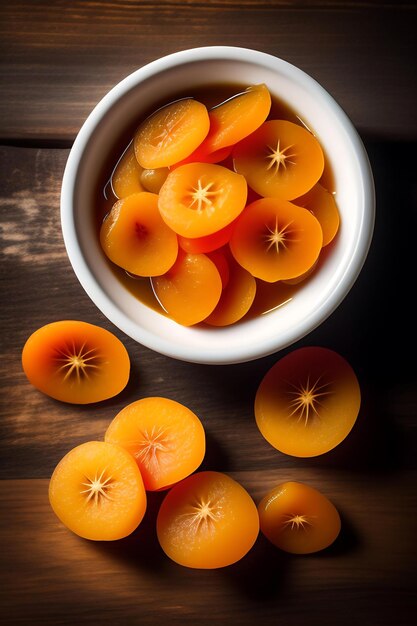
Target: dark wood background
58,58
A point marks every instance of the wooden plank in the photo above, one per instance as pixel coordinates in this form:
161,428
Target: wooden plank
50,576
59,58
39,286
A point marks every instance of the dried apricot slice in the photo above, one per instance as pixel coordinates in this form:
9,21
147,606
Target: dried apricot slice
274,239
323,206
190,290
166,439
280,159
126,177
76,362
298,518
135,237
97,491
237,117
237,296
199,199
207,521
171,133
152,180
308,402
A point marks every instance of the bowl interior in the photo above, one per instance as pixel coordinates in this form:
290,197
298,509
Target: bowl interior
118,114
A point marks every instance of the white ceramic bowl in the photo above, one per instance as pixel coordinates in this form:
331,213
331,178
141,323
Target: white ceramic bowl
122,107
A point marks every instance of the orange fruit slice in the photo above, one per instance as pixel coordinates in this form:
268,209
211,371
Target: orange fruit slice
199,199
280,159
126,177
190,290
298,519
308,402
274,239
97,491
166,439
171,133
323,206
207,521
135,237
76,362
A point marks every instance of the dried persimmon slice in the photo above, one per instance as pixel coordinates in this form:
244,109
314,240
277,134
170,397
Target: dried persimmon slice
237,117
76,362
280,159
308,402
199,199
274,239
126,176
171,134
97,491
298,518
190,290
207,521
322,205
166,439
135,237
237,296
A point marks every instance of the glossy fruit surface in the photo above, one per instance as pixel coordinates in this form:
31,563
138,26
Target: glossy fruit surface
280,159
171,134
97,491
298,518
207,521
274,239
166,439
76,362
308,402
135,237
199,199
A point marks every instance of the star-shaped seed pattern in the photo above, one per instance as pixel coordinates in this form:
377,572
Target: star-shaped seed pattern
77,362
202,196
308,399
296,522
97,489
279,159
277,237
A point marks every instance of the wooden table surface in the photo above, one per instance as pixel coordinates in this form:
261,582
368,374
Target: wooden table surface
58,58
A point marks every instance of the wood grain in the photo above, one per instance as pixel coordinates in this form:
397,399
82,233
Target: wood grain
65,580
58,58
53,577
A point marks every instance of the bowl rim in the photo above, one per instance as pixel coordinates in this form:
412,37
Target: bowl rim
245,351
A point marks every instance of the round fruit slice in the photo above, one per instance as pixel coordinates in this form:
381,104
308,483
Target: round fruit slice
274,239
135,237
190,290
207,521
237,296
76,362
199,199
97,491
236,118
298,518
280,159
323,206
308,402
126,177
171,134
165,437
